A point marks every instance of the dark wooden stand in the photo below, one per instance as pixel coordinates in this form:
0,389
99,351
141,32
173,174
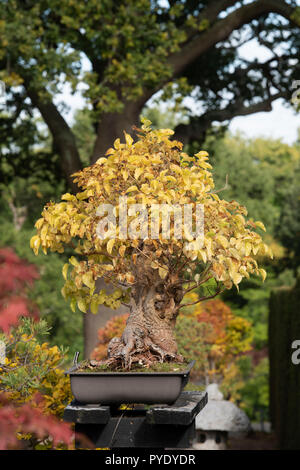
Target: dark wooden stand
143,426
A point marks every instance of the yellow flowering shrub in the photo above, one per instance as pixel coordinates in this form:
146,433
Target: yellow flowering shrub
30,368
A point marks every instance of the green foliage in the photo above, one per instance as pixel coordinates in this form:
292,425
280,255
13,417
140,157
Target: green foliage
83,129
255,391
260,173
135,48
129,46
288,229
31,366
26,153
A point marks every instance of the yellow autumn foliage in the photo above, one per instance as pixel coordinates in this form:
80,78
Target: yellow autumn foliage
153,170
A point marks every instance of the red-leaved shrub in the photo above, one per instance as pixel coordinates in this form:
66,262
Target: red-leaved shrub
16,275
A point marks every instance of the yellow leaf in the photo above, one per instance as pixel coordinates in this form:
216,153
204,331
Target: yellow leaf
203,255
65,270
260,225
122,250
125,175
162,272
35,244
110,245
82,195
94,306
263,274
82,305
74,261
248,248
39,223
63,292
201,154
171,178
107,188
88,280
73,304
128,139
138,173
33,240
131,188
44,232
222,240
237,278
68,197
117,144
154,265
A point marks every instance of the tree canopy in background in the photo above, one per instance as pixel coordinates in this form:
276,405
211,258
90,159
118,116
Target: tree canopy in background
120,54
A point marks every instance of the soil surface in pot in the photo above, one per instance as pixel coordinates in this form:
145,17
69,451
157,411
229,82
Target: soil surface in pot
93,366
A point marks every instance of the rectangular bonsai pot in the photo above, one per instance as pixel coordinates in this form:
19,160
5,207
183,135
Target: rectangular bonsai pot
110,388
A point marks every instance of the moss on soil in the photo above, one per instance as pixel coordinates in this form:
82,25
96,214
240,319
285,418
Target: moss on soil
157,367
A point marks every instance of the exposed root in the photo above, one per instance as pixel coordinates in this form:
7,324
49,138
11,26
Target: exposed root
123,356
149,333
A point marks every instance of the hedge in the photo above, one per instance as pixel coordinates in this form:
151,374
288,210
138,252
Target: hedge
284,328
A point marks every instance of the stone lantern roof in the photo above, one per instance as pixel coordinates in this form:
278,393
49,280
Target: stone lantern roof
221,415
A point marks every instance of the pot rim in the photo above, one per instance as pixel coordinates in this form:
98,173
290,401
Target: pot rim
72,371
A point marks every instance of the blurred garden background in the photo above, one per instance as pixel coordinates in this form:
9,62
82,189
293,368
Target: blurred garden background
220,74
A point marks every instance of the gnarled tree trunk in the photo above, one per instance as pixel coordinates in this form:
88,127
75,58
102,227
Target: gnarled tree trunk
149,332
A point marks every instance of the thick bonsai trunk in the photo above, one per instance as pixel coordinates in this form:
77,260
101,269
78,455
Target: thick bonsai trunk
149,333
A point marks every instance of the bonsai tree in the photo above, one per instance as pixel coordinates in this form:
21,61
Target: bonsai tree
121,229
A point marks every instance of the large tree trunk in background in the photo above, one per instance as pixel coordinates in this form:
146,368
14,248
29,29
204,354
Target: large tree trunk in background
112,125
62,135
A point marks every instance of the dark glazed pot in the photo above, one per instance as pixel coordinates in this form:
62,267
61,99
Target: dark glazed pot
110,388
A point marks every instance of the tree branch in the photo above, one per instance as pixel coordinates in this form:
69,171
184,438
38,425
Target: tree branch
210,14
222,29
219,291
198,126
196,285
62,135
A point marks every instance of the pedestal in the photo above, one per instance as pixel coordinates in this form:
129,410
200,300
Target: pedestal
139,426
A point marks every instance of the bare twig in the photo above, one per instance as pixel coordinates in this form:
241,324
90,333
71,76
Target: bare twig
219,291
226,186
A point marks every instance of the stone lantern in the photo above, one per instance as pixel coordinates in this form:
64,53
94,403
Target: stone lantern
217,419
